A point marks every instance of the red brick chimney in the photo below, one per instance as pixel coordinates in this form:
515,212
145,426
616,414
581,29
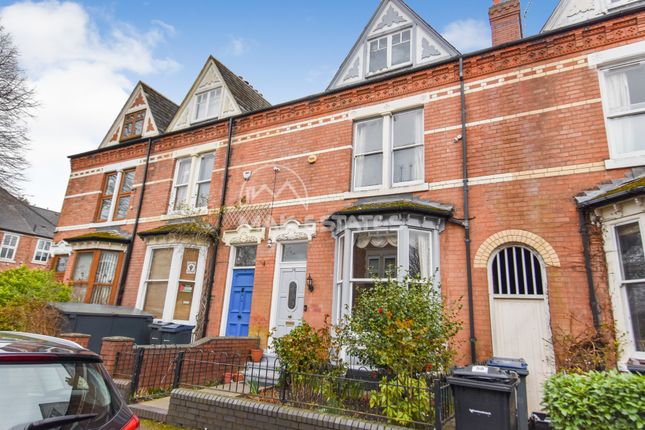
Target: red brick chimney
505,21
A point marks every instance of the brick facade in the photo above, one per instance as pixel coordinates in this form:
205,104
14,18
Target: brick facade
24,253
536,138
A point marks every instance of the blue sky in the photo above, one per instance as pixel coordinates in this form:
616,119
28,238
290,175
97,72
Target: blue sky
84,57
286,48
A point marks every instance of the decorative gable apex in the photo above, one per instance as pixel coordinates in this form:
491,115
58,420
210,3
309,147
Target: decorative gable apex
569,12
395,38
146,109
216,93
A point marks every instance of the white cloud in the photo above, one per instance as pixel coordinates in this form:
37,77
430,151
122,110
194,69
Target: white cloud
237,46
468,35
80,77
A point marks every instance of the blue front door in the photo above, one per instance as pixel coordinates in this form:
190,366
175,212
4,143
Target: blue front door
239,308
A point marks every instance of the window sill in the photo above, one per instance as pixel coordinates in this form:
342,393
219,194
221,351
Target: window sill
370,75
386,191
619,163
40,263
186,213
4,260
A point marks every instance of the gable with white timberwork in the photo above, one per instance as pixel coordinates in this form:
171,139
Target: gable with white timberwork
396,38
137,119
209,98
569,12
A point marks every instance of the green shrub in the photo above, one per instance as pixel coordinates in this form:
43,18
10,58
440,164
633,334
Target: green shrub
403,327
21,285
596,400
306,350
24,294
403,400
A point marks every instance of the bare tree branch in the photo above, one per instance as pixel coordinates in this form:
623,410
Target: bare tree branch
16,105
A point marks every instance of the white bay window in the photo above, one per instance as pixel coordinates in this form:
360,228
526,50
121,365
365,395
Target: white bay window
629,238
172,282
371,249
388,151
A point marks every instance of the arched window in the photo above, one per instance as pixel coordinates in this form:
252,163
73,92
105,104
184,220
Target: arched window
516,270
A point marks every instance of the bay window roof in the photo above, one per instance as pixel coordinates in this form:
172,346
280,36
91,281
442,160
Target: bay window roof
399,205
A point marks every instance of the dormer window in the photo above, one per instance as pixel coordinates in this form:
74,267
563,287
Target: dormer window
207,105
133,125
390,51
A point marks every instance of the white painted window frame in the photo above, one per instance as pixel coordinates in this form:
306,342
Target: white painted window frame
173,280
604,61
609,6
38,249
13,248
343,282
229,283
387,149
388,37
193,177
631,351
609,116
209,93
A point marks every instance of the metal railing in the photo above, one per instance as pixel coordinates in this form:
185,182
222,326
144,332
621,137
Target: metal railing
357,392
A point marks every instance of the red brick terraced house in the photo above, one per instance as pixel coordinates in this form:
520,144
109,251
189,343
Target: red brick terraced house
26,234
512,174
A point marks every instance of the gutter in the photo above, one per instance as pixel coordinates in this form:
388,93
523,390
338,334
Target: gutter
593,300
128,252
212,262
466,222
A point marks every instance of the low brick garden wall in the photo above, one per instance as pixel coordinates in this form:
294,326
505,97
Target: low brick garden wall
199,409
154,367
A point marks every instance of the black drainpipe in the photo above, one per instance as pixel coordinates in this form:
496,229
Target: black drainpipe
128,252
466,223
218,228
593,301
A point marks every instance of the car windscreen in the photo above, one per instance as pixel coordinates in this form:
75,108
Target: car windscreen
32,392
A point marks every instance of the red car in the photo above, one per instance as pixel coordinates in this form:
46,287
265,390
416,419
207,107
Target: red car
51,383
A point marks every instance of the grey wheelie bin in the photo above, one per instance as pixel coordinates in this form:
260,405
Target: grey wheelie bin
519,366
485,398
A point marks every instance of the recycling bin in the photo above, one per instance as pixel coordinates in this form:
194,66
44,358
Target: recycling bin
175,334
155,333
519,366
485,398
101,321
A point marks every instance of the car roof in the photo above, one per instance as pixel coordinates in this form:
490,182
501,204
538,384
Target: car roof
12,342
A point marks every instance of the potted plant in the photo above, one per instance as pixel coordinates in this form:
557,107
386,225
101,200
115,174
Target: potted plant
257,354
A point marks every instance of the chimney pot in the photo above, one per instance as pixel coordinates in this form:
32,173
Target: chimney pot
505,21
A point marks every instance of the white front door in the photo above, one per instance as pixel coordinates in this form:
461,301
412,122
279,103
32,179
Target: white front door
291,299
520,316
521,330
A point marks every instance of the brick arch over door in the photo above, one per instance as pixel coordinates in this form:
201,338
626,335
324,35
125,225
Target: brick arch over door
506,237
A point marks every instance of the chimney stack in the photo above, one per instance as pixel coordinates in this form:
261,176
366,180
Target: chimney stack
505,21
